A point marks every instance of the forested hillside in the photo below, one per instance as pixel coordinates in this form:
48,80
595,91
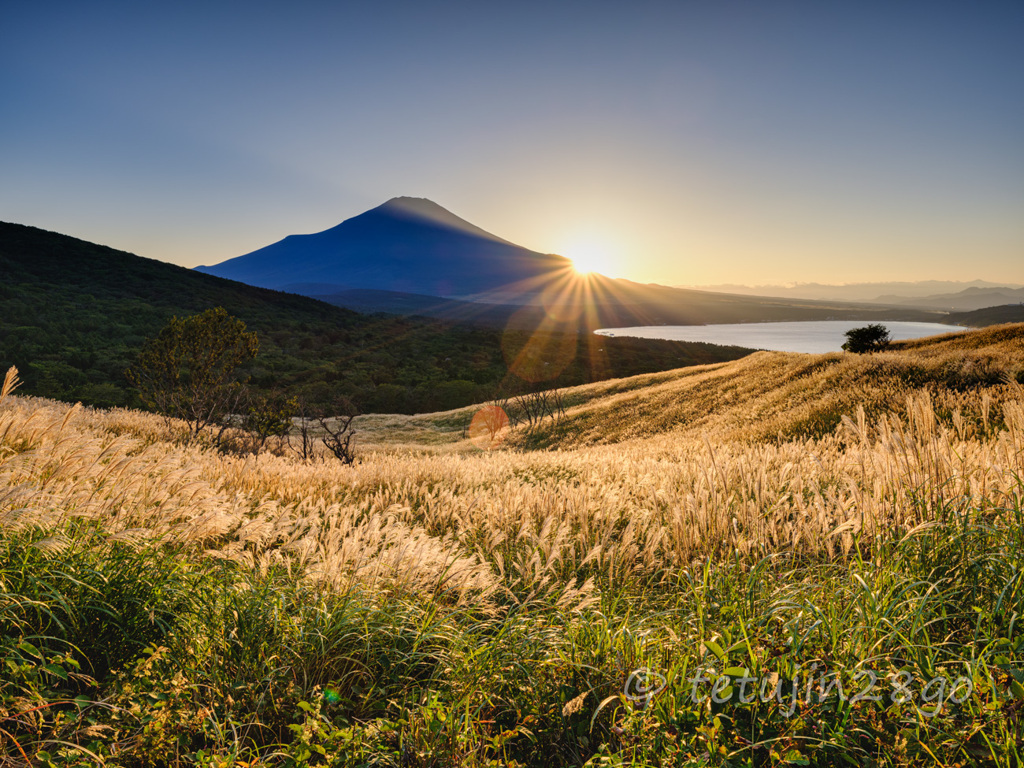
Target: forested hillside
75,314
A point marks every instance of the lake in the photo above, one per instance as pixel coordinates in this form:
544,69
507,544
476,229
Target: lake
806,336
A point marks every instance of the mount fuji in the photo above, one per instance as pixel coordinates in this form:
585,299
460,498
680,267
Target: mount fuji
407,245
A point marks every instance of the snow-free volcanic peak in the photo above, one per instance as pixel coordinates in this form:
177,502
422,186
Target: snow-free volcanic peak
408,244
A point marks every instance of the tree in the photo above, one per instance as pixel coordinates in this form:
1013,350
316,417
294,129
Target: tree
338,437
335,428
188,371
266,416
870,338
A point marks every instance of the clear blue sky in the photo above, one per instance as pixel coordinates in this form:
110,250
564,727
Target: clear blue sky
686,142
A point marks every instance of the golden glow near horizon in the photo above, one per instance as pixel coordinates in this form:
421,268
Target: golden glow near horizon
592,254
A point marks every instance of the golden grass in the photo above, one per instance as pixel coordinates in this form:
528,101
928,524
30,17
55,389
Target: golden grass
769,394
696,463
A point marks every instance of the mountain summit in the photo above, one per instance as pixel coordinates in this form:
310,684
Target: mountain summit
408,244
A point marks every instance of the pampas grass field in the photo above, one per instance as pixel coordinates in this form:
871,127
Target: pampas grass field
592,590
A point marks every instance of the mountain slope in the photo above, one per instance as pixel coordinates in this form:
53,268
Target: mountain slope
75,314
876,293
585,304
979,318
966,300
407,244
410,256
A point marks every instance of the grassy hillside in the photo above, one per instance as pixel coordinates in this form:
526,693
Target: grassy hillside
75,314
165,605
980,318
778,395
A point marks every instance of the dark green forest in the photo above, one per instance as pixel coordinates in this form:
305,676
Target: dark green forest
75,315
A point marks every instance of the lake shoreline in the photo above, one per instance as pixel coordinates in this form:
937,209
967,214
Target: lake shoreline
810,336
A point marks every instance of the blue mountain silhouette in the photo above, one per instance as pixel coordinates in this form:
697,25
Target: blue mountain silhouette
408,244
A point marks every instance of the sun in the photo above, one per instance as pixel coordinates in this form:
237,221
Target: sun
590,255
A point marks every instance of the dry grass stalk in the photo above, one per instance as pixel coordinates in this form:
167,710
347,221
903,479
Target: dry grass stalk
485,526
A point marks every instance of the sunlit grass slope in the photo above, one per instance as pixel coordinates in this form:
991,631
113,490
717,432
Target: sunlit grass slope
773,395
778,518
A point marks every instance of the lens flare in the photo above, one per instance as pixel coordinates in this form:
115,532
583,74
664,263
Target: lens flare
489,427
331,696
542,356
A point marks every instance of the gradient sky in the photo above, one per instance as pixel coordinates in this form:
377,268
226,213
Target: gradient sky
691,142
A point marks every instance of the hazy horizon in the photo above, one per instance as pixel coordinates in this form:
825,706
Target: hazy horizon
923,287
661,142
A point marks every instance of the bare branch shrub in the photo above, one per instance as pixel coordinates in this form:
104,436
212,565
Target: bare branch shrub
327,424
532,408
304,432
338,437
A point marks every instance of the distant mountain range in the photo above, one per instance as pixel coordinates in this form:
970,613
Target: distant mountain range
942,295
410,256
962,301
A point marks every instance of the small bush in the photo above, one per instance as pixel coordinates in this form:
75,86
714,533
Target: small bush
870,338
